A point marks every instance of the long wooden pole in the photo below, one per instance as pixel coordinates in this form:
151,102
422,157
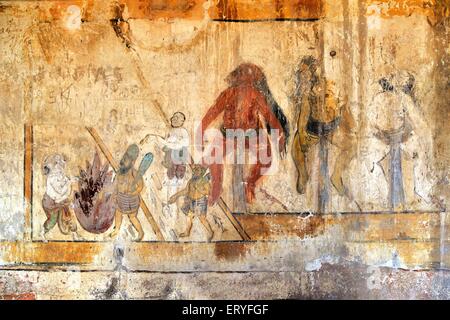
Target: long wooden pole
233,220
229,214
28,183
115,166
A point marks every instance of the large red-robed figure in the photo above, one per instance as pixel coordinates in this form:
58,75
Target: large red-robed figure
246,104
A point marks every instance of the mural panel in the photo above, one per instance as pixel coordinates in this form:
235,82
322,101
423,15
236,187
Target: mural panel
199,136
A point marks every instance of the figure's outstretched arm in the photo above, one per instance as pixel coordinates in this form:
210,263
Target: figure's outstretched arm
156,180
147,137
181,193
211,115
139,185
179,142
216,109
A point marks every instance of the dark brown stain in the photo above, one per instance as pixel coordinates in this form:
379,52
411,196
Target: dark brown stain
166,9
280,226
279,8
112,289
230,252
86,10
3,7
276,9
19,296
221,6
52,252
182,5
120,26
313,8
226,9
435,10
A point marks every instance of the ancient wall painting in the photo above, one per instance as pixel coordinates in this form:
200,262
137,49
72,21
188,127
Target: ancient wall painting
178,128
321,113
106,192
407,134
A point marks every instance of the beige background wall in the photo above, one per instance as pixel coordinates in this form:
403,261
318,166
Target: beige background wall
60,74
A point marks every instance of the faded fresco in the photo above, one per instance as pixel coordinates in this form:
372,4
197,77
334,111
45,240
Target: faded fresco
300,146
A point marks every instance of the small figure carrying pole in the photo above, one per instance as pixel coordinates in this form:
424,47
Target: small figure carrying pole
196,200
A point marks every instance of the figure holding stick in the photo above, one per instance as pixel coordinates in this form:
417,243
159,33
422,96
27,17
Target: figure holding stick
128,186
196,200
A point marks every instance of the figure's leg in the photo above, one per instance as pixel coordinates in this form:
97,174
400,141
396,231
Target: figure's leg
73,226
299,158
345,140
216,171
256,171
117,223
209,230
178,205
187,232
137,225
52,219
66,221
342,162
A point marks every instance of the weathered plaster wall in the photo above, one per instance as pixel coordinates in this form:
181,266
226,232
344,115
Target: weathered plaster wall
110,65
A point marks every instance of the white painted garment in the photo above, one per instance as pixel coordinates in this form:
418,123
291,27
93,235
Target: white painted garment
58,186
177,139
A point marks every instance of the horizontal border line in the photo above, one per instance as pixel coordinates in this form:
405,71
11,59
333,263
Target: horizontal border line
361,213
268,20
41,242
302,270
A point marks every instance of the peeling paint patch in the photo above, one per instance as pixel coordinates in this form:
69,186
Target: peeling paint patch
19,296
266,9
434,10
224,252
316,264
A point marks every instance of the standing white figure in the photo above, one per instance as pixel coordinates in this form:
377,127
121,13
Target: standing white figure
175,148
406,138
55,202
